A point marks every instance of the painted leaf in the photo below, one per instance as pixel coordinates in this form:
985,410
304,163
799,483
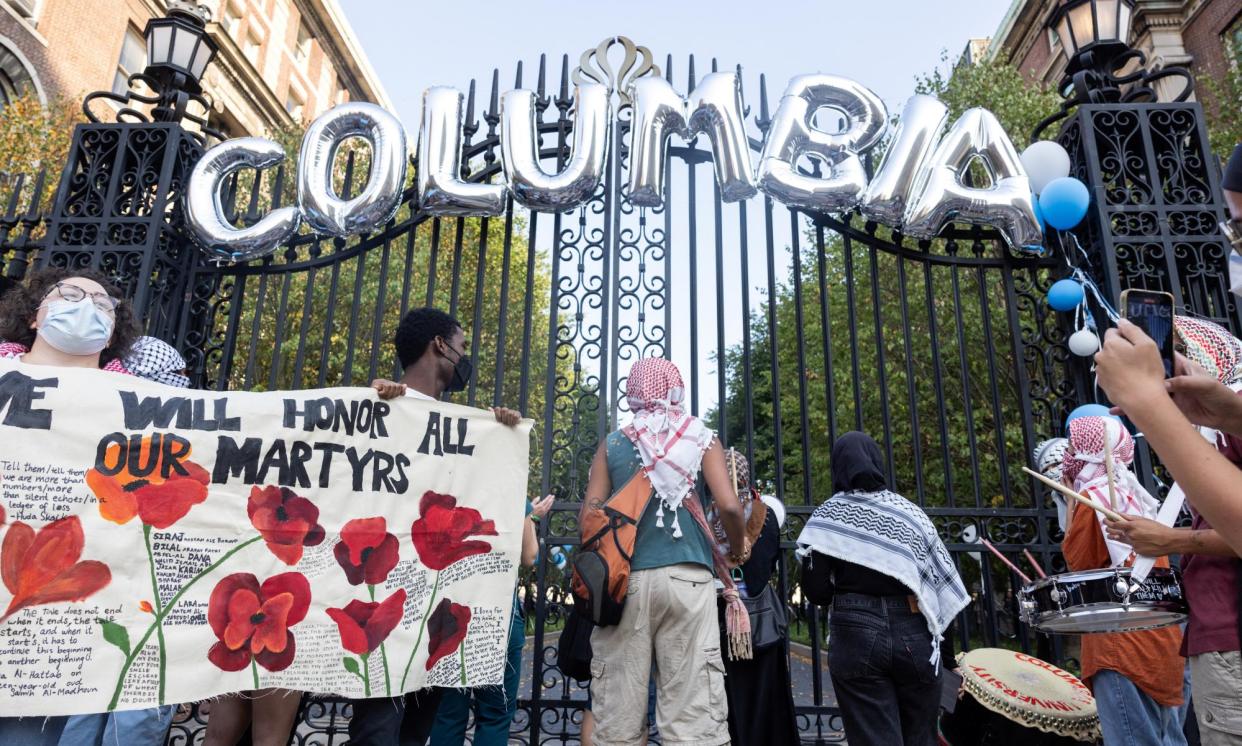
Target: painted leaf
115,634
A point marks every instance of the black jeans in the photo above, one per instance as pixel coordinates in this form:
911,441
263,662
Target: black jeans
403,721
879,656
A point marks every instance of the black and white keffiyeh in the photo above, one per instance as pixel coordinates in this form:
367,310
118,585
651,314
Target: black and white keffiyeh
891,535
156,360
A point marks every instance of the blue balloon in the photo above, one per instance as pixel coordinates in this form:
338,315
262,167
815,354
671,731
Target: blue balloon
1065,295
1063,202
1039,214
1088,410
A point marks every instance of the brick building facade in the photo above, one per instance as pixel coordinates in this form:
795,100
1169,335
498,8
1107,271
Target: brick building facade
281,62
1193,33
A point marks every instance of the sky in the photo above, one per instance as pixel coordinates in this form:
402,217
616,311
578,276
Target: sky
883,44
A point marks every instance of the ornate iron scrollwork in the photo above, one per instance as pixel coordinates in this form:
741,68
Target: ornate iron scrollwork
594,66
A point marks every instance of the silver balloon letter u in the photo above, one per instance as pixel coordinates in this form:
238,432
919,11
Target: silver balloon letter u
793,135
519,143
714,108
441,190
378,200
205,212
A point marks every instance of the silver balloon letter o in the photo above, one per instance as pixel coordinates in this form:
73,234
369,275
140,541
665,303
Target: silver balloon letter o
378,200
205,212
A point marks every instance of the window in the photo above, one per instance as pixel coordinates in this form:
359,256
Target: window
253,46
132,60
1054,39
295,104
302,51
27,9
229,18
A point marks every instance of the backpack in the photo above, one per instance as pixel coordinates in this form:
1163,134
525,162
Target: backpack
601,574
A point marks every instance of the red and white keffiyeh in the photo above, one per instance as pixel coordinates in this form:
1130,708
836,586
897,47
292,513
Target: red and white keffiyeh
669,440
16,350
1212,347
1084,466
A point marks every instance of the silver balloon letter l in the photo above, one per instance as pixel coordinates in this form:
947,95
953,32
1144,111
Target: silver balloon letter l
440,188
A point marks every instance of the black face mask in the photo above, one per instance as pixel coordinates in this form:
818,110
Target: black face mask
463,369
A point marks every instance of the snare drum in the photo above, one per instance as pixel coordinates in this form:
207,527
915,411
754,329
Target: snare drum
1102,601
1014,699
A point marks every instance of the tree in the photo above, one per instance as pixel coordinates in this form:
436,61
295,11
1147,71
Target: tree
34,137
1222,102
1018,103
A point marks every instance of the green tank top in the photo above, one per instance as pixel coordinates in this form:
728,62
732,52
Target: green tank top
655,546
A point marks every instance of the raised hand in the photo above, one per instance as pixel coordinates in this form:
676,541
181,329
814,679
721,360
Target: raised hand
388,389
507,417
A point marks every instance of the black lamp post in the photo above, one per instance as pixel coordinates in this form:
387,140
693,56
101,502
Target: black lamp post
179,50
1095,36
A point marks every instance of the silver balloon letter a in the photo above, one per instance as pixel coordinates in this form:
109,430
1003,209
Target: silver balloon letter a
205,212
714,108
793,135
885,198
378,200
440,188
943,197
519,141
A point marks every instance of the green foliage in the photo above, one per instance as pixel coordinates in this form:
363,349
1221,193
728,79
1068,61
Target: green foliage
1018,103
1223,104
34,136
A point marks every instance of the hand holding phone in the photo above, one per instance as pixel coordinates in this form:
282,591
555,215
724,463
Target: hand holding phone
1152,311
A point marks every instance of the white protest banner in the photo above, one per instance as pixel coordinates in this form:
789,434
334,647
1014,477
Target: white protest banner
162,545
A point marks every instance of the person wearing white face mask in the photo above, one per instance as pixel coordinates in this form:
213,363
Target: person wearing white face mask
69,318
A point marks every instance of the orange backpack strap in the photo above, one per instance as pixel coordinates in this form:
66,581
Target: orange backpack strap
602,563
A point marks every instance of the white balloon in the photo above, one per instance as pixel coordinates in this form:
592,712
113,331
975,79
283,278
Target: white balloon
1044,161
1084,343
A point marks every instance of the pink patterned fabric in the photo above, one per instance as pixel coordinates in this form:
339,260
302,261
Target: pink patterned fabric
1212,347
1086,446
670,442
13,349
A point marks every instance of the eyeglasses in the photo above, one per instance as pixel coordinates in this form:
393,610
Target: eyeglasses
73,294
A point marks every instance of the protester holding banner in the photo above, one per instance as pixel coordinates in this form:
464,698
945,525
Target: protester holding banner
431,348
65,318
669,614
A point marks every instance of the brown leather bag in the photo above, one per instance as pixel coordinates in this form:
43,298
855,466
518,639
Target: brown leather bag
602,563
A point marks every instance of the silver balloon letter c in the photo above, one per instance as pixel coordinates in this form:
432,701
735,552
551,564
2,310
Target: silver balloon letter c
205,213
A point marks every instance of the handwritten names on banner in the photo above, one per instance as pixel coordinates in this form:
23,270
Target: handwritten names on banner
163,545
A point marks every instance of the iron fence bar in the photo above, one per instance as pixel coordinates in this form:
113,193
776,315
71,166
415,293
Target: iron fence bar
937,367
998,417
851,311
255,321
502,325
333,286
278,343
721,360
825,332
916,433
963,360
299,361
433,260
747,392
881,372
360,272
476,326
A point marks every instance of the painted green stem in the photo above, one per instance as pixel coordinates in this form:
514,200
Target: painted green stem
366,674
383,651
463,661
163,612
159,624
421,627
254,671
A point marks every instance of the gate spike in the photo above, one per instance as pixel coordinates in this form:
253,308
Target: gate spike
517,80
10,213
492,116
668,69
763,121
690,76
469,127
714,69
540,91
36,198
562,101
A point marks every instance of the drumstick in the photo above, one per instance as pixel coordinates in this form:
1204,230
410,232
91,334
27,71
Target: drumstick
1111,514
1005,559
733,473
1031,558
1108,466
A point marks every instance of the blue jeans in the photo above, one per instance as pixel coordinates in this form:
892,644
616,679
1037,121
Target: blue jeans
127,728
494,706
1129,716
31,731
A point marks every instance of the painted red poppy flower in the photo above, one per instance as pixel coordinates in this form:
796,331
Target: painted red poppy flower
43,568
158,501
440,534
366,551
366,624
446,628
286,521
253,620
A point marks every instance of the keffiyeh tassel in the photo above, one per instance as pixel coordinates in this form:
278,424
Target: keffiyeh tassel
737,625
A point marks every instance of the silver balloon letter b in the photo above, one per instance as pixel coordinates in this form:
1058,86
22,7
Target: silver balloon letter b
714,108
519,141
378,200
793,135
440,188
943,196
205,212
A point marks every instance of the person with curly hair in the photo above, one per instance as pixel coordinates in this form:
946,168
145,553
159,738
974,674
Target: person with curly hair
67,317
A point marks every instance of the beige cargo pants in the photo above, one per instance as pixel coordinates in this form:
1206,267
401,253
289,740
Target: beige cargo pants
670,613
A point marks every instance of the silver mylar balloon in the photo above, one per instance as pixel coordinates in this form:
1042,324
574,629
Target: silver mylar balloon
377,202
792,135
519,143
714,108
441,190
204,211
942,197
885,198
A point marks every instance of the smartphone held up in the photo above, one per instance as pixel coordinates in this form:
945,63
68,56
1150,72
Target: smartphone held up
1152,311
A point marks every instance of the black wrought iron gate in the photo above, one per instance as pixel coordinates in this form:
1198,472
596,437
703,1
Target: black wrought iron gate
790,328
